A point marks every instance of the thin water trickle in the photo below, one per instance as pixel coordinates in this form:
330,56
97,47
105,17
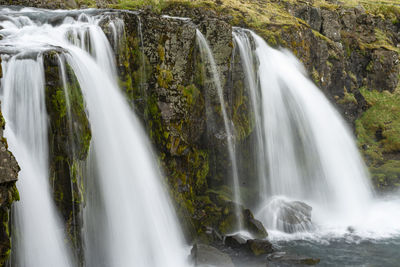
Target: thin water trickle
207,56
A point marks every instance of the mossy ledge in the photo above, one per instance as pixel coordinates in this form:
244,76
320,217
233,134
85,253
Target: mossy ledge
69,141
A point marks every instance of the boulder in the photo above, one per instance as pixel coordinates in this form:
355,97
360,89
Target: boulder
235,241
259,247
254,226
288,216
204,255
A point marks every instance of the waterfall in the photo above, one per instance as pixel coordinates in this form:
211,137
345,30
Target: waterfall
307,147
244,46
26,131
311,153
207,57
128,218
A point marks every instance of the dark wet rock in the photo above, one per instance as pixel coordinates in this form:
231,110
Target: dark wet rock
291,259
235,241
259,247
205,255
254,226
213,235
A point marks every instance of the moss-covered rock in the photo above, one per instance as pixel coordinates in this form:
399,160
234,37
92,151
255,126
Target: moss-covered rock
69,141
378,133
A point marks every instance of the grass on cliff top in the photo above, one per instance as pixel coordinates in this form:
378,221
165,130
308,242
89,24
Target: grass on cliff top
266,17
256,12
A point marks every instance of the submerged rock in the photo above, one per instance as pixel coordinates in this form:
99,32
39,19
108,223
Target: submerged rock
291,259
204,255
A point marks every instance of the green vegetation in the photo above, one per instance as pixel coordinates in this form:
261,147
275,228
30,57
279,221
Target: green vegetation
348,98
378,132
156,5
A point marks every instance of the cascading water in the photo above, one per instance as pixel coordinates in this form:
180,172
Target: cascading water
310,153
24,108
128,218
207,56
247,58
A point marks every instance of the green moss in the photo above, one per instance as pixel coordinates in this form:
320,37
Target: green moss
321,36
348,98
191,93
370,66
4,228
59,105
315,76
199,161
156,5
161,52
243,118
383,115
154,123
382,41
386,175
378,133
223,194
135,70
2,121
14,194
88,3
164,77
